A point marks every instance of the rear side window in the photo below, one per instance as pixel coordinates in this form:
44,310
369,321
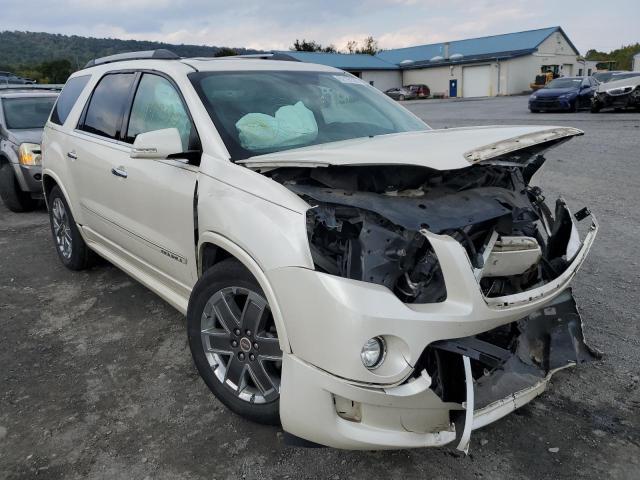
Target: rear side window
67,99
108,104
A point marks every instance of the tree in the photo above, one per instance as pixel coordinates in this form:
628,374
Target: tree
225,52
623,56
369,46
311,46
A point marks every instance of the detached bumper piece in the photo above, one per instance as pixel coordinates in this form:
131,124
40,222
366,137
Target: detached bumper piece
510,365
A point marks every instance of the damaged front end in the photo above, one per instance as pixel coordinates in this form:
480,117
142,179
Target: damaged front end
388,225
367,224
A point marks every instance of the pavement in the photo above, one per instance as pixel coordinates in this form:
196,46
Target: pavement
97,382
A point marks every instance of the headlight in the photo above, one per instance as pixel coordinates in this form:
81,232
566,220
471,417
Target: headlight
533,97
373,352
29,154
619,90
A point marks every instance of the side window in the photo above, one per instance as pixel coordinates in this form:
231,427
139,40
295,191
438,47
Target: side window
67,99
108,104
157,105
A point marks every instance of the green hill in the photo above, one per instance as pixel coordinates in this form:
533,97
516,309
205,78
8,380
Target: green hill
48,56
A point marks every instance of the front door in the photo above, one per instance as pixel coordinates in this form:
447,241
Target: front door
157,196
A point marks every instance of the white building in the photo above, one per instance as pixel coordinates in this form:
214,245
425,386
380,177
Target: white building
477,67
636,63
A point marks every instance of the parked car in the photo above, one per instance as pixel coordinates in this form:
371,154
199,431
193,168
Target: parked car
8,78
621,93
604,77
421,91
565,93
344,269
401,93
23,113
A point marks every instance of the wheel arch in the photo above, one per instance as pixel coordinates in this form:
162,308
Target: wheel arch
50,180
213,248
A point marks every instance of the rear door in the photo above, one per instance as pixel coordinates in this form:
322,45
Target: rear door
97,149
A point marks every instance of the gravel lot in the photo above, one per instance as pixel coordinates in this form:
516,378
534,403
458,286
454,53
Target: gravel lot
96,378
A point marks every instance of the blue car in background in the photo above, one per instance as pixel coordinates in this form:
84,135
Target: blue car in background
564,94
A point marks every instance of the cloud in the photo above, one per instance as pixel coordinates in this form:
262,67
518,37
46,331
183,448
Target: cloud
276,24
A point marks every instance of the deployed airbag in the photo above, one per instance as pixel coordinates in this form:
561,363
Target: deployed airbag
291,125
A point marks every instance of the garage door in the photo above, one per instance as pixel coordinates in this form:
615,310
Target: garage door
476,81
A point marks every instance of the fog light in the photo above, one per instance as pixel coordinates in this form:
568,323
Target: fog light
373,352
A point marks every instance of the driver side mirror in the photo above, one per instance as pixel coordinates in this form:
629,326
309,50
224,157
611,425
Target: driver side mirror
158,144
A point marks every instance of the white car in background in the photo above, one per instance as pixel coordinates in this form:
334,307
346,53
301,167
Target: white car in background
346,271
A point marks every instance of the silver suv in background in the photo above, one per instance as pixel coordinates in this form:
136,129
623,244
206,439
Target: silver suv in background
23,112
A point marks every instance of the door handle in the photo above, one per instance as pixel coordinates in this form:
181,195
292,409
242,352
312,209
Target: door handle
119,172
72,155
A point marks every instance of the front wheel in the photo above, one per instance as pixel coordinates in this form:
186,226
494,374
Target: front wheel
234,342
12,195
401,98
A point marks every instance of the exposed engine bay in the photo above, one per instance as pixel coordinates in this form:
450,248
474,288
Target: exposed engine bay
366,224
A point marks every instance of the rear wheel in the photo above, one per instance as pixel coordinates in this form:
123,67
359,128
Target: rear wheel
71,248
13,197
595,109
234,342
401,97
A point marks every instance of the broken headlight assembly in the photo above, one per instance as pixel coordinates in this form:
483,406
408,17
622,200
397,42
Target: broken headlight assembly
361,245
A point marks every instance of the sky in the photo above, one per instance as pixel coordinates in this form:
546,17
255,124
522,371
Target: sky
275,24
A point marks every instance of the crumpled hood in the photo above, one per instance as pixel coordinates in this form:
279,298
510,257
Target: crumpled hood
25,136
625,82
446,149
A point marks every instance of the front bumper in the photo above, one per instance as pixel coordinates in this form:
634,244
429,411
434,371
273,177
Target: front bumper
551,104
329,318
627,100
29,178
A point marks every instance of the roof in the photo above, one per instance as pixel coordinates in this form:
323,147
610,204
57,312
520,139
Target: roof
505,45
344,61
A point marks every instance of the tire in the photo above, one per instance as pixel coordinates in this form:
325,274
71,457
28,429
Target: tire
70,246
13,197
534,110
401,98
595,109
224,303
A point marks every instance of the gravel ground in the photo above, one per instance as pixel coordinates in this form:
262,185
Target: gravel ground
96,378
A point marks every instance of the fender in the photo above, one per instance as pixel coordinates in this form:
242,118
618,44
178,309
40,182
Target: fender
247,260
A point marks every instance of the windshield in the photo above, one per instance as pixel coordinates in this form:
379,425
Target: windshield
27,112
564,83
261,112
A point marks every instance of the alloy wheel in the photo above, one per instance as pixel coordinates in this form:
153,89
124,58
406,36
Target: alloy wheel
241,344
62,228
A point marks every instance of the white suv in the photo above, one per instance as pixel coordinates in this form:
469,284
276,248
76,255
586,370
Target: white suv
345,270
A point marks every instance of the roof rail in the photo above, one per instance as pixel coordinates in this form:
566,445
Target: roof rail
252,56
31,86
159,54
